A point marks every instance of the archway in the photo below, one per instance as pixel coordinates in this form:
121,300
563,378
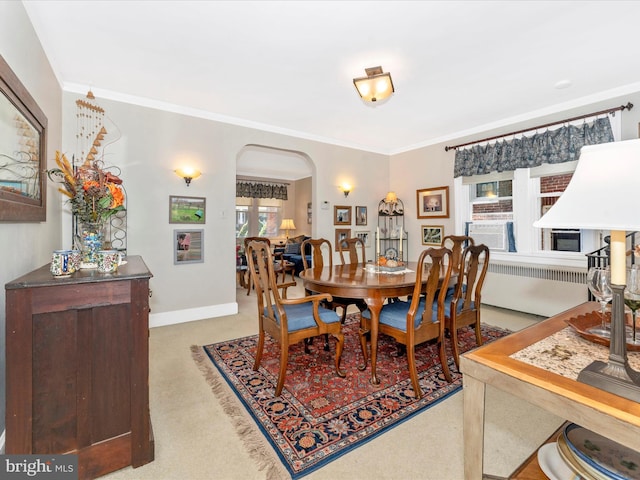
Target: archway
262,163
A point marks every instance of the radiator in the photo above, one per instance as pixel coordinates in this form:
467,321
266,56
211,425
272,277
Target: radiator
536,289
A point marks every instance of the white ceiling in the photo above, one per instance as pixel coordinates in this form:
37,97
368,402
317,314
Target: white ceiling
459,67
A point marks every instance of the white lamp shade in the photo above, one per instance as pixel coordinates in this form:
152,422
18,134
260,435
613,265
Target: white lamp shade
604,191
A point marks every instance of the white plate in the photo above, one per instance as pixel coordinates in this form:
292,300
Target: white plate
553,465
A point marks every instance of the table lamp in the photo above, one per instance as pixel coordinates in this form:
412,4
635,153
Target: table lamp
287,224
602,196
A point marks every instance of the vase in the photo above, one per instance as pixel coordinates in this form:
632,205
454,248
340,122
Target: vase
91,239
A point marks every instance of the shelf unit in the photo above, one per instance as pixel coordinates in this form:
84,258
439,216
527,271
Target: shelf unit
391,237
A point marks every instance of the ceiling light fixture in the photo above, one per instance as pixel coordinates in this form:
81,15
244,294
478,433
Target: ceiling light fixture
375,86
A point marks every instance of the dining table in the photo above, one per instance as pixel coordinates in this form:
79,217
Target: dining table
369,284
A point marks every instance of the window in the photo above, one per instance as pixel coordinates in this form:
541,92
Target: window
258,217
492,200
496,199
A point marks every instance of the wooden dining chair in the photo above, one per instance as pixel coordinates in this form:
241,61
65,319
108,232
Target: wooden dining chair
321,256
353,249
462,307
456,243
288,321
414,322
278,261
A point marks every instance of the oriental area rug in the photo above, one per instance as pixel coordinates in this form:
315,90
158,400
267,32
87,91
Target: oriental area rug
319,416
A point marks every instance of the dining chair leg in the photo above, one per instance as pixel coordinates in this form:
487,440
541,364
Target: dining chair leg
478,330
413,371
339,348
363,331
443,360
284,358
259,350
453,336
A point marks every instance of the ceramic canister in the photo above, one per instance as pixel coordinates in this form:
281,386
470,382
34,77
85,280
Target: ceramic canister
62,263
108,261
76,259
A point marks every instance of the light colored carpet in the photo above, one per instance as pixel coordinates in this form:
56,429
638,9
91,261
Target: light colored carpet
195,439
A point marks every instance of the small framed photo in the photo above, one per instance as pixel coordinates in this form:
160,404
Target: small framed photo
432,234
433,202
341,215
364,236
361,215
187,209
188,246
341,234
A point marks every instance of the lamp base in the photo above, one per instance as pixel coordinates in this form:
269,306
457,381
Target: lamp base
619,379
616,376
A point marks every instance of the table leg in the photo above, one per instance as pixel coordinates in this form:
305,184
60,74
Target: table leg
473,427
375,305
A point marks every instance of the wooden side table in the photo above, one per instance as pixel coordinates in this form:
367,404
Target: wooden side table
607,414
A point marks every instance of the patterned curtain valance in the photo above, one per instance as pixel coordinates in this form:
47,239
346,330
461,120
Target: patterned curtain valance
553,146
261,190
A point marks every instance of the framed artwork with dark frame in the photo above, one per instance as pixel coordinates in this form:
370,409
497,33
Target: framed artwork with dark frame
361,215
23,155
187,209
433,202
341,215
432,234
341,234
188,246
364,236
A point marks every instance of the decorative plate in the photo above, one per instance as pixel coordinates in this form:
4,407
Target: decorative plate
582,323
582,470
553,465
606,456
391,253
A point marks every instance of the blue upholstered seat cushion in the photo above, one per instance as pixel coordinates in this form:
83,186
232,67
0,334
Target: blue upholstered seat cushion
395,314
300,316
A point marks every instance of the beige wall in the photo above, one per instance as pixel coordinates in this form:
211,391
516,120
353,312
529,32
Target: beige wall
26,246
153,143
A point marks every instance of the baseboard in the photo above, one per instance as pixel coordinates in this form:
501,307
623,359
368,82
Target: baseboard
191,314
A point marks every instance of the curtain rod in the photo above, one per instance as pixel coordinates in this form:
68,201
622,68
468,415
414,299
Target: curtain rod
628,106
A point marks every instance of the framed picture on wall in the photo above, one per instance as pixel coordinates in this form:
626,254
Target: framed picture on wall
432,234
187,209
361,215
341,234
433,202
341,215
188,246
364,236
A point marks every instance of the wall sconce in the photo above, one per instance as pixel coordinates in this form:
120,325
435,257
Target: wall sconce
287,224
375,86
188,174
346,189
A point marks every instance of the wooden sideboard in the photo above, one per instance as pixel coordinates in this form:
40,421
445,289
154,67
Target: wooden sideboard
602,412
77,356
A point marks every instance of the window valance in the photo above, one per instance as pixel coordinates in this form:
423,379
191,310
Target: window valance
261,190
552,146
